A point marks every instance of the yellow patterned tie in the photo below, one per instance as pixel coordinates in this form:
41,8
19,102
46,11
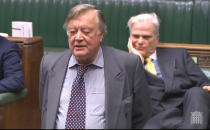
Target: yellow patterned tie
150,66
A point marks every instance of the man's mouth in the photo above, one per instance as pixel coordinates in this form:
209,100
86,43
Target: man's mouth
139,48
79,46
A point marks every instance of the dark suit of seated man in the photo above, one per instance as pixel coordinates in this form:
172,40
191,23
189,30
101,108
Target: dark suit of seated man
178,88
11,73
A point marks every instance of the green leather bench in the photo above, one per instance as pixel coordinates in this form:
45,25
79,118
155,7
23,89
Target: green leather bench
9,97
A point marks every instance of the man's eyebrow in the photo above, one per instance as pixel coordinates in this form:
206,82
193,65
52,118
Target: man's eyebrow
82,27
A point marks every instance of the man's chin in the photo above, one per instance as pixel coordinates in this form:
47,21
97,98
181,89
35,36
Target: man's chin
141,53
80,54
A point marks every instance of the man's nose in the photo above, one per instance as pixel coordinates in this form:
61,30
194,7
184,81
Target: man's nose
140,40
78,36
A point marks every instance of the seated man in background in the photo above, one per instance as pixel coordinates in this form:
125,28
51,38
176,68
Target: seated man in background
178,88
11,73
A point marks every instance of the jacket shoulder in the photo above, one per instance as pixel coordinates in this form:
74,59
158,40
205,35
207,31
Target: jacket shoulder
119,54
121,58
6,44
51,59
172,50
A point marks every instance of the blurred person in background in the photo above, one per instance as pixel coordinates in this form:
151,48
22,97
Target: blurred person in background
11,72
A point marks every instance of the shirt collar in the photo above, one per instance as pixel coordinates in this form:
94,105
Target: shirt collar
99,60
154,55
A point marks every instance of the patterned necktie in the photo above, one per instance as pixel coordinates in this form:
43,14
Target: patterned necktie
150,66
77,106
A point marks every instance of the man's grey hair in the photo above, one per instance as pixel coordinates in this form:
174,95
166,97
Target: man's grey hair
145,17
80,8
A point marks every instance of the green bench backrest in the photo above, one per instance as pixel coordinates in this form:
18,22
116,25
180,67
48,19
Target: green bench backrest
182,21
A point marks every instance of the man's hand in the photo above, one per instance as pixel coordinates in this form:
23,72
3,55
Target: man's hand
207,88
132,50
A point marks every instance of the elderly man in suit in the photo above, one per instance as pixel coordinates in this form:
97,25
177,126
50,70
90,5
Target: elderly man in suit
11,73
92,86
178,88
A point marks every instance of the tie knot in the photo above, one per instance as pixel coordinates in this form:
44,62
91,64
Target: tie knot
150,66
148,60
81,69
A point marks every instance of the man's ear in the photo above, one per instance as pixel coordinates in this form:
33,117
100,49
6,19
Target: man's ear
101,37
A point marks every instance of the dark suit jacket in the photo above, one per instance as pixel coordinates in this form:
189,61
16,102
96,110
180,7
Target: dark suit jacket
180,73
11,73
127,102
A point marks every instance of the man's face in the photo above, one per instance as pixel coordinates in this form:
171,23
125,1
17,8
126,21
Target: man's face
84,38
144,38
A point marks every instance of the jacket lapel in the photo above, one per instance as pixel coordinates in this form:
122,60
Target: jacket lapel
167,69
57,76
114,78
